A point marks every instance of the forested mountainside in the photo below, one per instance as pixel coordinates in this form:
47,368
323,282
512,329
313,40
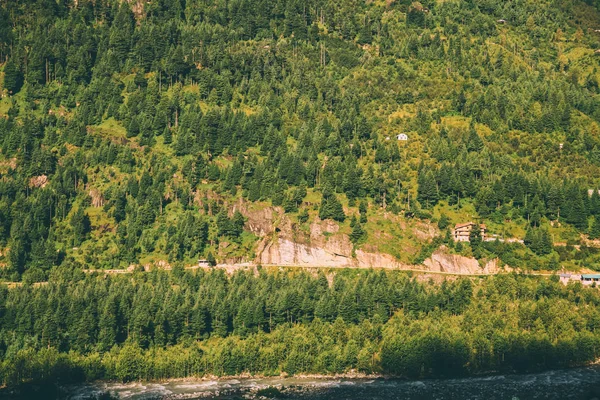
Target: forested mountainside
134,132
160,325
164,132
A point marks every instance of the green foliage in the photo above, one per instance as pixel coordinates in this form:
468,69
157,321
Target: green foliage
231,227
211,259
172,115
475,238
474,142
162,325
427,250
331,207
303,216
81,225
13,77
595,230
428,191
443,222
539,241
362,208
358,234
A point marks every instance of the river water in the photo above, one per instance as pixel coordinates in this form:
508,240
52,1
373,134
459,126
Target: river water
582,383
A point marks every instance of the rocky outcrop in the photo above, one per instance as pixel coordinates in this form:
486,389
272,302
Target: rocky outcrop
284,243
260,222
97,197
286,252
441,261
377,260
38,181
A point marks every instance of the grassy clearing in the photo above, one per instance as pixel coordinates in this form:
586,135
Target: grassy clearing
5,104
110,128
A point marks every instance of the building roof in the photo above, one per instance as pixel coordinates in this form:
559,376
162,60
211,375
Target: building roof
590,276
457,226
466,224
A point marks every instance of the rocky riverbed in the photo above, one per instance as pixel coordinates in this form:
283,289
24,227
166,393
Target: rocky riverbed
581,383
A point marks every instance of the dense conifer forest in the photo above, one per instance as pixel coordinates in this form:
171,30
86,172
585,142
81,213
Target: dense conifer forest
134,132
162,325
129,129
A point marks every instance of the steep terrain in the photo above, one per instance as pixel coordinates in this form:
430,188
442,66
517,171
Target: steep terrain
189,134
347,133
314,243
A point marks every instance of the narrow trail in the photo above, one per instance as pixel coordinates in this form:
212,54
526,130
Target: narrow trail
230,268
415,270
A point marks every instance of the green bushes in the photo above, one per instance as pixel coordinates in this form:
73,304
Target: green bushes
161,325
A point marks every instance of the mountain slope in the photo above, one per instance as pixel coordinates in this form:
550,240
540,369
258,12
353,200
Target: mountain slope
130,135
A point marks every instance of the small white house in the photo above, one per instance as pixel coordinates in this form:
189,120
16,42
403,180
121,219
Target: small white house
402,137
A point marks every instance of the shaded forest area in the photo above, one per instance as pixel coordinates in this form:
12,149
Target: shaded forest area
163,325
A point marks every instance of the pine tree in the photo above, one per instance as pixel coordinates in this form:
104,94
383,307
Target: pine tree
595,203
224,226
303,216
539,241
475,236
13,77
211,259
595,230
81,225
331,208
107,326
415,16
546,245
594,155
529,238
362,208
120,202
554,202
474,143
358,233
167,136
365,36
254,191
427,193
289,205
443,222
347,308
577,214
237,224
133,129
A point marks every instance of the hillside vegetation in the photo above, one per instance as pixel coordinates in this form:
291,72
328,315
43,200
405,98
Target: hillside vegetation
160,325
129,130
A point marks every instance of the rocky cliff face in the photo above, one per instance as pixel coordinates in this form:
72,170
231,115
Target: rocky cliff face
282,251
284,243
441,261
367,259
336,252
